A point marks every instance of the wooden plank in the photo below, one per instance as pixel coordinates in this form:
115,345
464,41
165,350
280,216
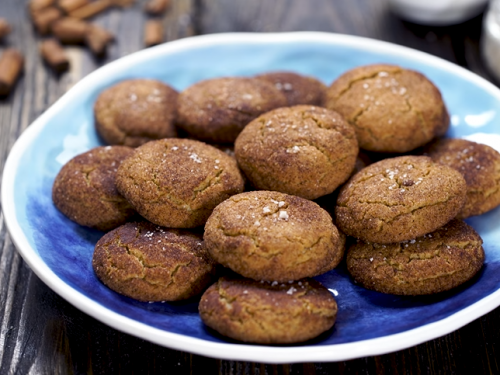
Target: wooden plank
38,332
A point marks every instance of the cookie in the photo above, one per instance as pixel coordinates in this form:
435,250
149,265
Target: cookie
302,150
150,263
216,110
480,166
268,313
136,111
297,88
177,182
399,199
267,235
433,263
392,109
85,191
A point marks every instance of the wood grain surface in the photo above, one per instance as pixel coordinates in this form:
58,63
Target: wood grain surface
40,333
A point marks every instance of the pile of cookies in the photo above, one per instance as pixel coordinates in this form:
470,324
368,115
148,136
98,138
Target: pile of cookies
171,169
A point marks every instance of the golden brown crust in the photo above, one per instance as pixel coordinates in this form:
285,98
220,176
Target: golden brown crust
151,263
392,109
85,191
136,111
430,264
268,313
480,166
297,88
216,110
267,235
177,182
399,199
302,150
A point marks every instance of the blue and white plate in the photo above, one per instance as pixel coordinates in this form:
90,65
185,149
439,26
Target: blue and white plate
369,323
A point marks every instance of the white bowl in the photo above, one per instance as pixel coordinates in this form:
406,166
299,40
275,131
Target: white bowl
437,12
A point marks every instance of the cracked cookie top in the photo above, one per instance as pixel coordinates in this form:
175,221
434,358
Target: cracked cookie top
298,89
398,199
216,110
150,263
177,182
267,235
268,313
302,150
85,191
480,166
136,111
433,263
392,109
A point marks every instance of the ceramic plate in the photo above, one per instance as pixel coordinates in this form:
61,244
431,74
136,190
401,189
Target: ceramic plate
368,323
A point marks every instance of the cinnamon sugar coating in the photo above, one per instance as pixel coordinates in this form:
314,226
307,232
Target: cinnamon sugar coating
150,263
177,182
268,313
392,109
480,166
302,150
433,263
297,88
216,110
85,189
136,111
267,235
399,199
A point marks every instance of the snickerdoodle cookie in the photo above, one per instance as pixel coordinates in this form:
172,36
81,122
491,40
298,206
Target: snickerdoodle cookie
150,263
217,109
392,109
399,199
177,182
268,313
136,111
297,88
433,263
84,189
480,166
267,235
302,150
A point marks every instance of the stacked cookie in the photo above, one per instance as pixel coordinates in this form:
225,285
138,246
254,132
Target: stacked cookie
277,242
172,183
164,183
402,209
294,141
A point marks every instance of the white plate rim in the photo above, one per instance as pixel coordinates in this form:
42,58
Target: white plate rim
230,351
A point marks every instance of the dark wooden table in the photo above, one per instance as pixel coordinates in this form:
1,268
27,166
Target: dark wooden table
40,333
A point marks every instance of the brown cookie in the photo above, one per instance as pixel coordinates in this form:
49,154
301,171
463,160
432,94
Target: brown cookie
267,235
217,109
136,111
150,263
399,199
392,109
302,150
177,182
480,166
433,263
85,191
297,88
268,313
